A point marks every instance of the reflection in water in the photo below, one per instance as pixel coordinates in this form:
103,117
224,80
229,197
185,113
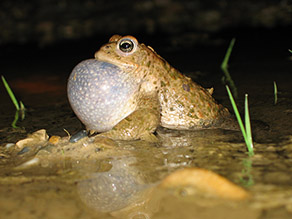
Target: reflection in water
119,188
122,191
118,177
247,179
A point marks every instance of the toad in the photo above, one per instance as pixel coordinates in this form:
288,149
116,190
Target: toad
128,90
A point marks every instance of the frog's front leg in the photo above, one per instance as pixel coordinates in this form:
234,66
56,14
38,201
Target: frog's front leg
141,124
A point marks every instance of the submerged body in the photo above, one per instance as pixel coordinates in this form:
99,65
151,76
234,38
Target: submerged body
163,96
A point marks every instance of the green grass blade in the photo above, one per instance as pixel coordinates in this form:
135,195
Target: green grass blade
275,93
245,130
224,67
9,91
249,143
247,178
228,53
236,112
13,124
19,110
22,107
22,110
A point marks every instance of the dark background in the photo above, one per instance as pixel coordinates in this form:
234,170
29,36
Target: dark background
183,21
60,32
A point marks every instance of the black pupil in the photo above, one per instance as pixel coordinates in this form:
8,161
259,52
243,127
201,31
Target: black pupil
126,46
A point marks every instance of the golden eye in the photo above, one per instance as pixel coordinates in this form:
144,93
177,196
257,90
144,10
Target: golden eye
126,45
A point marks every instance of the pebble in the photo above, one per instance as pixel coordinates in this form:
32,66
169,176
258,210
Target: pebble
79,135
23,150
28,163
9,145
54,139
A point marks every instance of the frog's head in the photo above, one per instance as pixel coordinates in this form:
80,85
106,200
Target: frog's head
126,53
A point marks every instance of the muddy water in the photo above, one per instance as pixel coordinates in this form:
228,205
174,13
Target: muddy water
99,178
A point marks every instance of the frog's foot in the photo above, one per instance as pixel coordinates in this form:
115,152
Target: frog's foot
227,123
141,124
224,120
